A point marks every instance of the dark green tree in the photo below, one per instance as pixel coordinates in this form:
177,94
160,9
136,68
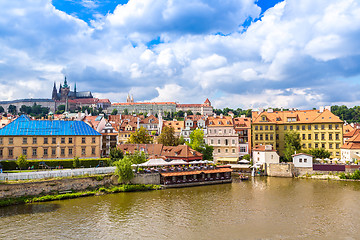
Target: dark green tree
167,137
292,144
2,109
124,170
12,109
116,154
114,111
198,144
140,136
319,153
22,162
126,112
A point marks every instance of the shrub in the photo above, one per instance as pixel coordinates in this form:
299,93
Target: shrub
22,161
76,162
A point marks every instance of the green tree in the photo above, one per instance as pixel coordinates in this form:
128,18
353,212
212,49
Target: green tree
292,144
21,161
198,144
114,111
167,137
137,157
124,170
180,114
76,162
140,136
247,157
116,154
319,153
12,109
2,109
126,112
189,112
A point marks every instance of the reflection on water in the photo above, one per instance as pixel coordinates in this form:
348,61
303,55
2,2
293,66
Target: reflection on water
261,208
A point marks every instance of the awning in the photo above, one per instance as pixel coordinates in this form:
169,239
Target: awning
229,159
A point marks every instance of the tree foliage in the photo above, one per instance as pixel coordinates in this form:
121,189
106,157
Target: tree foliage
347,114
137,157
124,170
198,144
12,109
114,111
76,162
2,109
116,154
21,161
167,137
140,136
318,153
35,111
292,144
237,112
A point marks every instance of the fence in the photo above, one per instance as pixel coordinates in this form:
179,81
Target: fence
56,173
329,167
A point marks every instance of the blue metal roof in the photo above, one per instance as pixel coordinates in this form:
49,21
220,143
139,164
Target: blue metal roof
23,125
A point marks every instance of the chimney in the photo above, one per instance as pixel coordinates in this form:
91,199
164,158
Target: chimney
270,110
321,109
221,115
242,116
328,108
214,115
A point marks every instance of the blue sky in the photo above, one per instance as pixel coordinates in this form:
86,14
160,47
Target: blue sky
238,53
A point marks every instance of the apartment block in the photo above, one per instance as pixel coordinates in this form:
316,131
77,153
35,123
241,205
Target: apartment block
317,129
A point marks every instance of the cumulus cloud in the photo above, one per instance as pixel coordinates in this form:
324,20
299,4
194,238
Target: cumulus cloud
298,54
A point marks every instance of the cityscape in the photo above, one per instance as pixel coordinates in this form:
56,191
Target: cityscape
142,119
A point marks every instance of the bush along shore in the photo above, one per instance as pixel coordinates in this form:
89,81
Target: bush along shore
68,195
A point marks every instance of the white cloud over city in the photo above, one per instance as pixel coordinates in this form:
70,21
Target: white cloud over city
299,54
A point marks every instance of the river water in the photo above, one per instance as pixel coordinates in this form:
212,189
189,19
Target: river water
261,208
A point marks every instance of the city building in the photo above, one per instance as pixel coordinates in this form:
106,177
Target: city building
262,154
108,140
350,151
203,109
47,139
177,125
242,127
193,122
317,129
223,137
65,93
143,107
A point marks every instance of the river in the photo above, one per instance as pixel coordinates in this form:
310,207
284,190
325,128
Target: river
261,208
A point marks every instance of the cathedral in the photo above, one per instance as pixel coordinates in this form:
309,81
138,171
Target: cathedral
65,93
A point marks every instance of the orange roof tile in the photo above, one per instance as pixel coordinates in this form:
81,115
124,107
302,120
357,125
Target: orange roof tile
226,121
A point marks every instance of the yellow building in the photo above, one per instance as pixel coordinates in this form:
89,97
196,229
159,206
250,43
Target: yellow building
317,129
46,139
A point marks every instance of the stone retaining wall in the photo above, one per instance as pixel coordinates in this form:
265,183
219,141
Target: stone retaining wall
280,169
146,178
54,186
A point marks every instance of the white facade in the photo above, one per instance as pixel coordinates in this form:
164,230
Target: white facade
350,155
302,160
265,156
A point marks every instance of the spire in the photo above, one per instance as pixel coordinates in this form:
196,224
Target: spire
54,92
60,88
75,88
132,98
65,83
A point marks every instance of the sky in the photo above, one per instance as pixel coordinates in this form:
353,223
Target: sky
238,53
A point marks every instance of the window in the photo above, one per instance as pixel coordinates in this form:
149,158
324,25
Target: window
93,140
70,151
271,127
62,151
261,137
261,127
34,151
277,136
291,127
256,137
316,145
242,149
305,160
322,127
53,151
285,127
45,151
219,150
256,127
70,140
309,145
266,137
272,156
233,150
53,141
226,142
300,159
303,137
330,136
224,132
1,141
309,127
93,151
45,140
271,137
303,127
330,145
316,127
330,126
304,145
1,152
309,136
233,142
226,150
24,151
266,128
337,146
298,128
24,140
277,127
62,140
11,152
322,136
323,145
83,140
34,140
336,126
212,141
316,136
218,141
83,152
337,136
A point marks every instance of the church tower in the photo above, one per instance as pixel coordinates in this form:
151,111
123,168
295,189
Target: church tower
64,91
54,93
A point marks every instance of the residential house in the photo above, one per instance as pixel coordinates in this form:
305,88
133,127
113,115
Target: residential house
303,160
223,137
109,139
262,154
242,127
350,151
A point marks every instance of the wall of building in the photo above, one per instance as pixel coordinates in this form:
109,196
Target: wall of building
306,161
146,178
49,187
280,170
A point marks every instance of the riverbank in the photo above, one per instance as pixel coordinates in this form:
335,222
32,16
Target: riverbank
69,195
